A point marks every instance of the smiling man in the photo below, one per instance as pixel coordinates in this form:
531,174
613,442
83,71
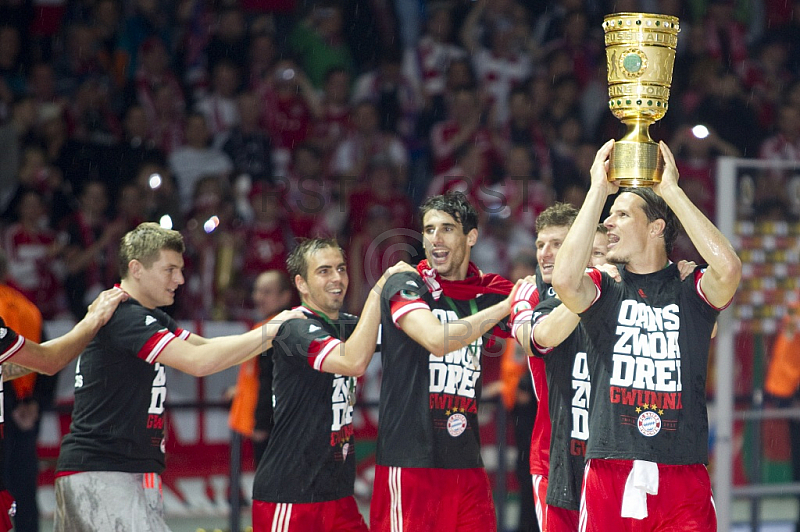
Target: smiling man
108,472
648,425
552,226
317,361
429,474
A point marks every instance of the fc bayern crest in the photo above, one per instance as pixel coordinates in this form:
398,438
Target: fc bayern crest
649,423
456,425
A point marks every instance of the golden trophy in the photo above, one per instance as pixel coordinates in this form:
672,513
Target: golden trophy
640,53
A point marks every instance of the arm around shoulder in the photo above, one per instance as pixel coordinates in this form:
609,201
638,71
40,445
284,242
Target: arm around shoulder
556,327
441,338
352,357
215,355
50,357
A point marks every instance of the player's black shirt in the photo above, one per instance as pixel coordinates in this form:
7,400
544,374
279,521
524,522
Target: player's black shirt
310,456
10,343
651,335
568,398
429,404
120,389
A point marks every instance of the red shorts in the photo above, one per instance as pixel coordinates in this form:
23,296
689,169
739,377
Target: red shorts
683,502
540,498
406,499
551,518
341,515
7,509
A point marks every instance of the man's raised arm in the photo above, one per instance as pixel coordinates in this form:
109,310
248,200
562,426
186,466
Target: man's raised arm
721,279
354,355
575,289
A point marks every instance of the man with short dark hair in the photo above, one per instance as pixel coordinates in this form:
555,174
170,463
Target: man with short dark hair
648,427
306,478
429,474
557,348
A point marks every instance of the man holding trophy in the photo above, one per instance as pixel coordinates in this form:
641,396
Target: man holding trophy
648,427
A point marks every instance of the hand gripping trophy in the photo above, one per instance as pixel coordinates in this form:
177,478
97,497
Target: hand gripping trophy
640,52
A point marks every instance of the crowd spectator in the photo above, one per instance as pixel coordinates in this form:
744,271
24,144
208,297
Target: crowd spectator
167,124
229,41
88,238
220,106
198,158
316,203
136,148
148,20
33,251
314,136
269,239
435,52
394,95
13,135
262,55
43,85
365,142
12,76
247,144
289,100
210,254
153,74
332,122
161,198
504,62
465,124
319,42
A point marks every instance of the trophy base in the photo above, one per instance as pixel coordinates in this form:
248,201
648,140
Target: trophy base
635,164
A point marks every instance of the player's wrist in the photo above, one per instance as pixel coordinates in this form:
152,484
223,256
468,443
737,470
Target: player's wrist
90,324
523,292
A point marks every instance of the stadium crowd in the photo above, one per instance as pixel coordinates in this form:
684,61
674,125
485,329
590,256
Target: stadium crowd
245,124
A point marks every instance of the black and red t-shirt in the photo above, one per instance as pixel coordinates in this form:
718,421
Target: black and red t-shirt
10,343
429,404
120,389
651,335
569,388
311,455
539,456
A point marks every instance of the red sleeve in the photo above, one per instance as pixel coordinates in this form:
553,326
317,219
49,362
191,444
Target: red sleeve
524,301
320,349
155,345
597,278
698,274
400,306
13,348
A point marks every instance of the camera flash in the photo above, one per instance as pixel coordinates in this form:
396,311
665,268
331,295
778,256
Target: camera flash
700,131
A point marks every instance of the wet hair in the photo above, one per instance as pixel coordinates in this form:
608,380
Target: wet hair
456,205
297,261
557,215
145,244
656,208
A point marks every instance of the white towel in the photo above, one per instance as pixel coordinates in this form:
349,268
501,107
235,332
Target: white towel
642,479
